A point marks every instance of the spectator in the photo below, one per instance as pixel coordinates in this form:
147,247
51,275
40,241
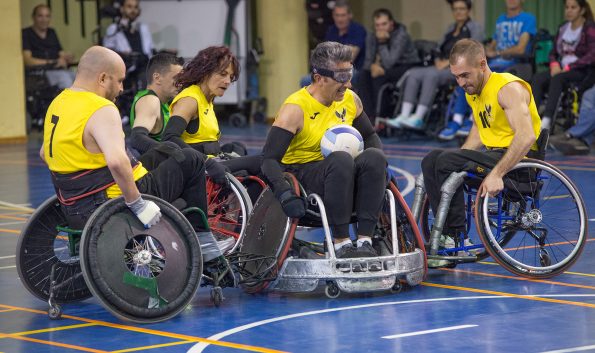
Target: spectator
511,41
571,58
578,139
426,80
348,32
389,53
41,48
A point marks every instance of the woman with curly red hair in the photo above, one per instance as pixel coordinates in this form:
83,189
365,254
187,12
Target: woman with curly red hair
193,122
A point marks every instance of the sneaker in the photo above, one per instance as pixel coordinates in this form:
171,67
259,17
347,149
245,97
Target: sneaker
396,122
413,123
447,242
465,129
437,263
366,250
450,131
226,244
572,146
346,251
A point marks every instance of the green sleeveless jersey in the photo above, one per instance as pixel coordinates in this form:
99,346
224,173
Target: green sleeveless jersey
164,112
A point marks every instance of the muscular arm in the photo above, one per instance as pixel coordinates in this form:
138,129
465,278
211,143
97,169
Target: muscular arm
102,134
514,99
181,113
473,141
147,111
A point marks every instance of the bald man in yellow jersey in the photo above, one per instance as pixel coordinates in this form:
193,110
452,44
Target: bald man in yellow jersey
344,183
84,149
506,123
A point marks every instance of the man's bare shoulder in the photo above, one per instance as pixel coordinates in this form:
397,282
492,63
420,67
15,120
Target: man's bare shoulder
290,117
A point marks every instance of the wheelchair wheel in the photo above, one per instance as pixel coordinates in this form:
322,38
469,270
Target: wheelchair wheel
543,215
42,246
228,210
268,238
408,232
141,275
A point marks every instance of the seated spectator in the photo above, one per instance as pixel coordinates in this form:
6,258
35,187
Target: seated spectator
131,39
426,80
578,139
348,32
511,41
42,49
571,58
389,53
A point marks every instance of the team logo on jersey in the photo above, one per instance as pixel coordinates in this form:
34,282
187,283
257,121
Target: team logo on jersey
486,116
314,116
341,115
206,111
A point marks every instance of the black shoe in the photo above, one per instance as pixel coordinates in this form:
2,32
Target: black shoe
346,251
366,250
218,273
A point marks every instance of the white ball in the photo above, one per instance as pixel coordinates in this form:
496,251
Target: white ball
342,138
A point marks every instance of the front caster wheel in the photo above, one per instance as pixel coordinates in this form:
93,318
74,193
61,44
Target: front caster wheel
55,312
331,290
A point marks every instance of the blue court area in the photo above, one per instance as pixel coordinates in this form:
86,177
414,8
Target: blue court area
478,307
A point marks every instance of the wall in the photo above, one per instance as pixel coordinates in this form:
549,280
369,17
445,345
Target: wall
12,91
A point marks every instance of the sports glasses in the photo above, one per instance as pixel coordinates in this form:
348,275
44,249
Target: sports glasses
341,76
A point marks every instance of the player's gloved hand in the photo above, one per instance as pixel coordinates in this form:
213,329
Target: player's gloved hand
293,205
217,171
147,211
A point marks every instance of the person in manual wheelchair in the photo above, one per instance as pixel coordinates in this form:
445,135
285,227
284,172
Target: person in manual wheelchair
89,164
344,183
506,123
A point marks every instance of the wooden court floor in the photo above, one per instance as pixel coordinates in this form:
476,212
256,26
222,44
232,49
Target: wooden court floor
476,307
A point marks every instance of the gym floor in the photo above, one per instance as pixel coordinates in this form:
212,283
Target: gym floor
477,307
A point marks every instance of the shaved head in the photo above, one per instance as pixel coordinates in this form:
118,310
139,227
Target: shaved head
101,70
96,60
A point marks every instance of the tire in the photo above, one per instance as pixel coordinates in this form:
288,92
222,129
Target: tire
42,246
115,260
546,212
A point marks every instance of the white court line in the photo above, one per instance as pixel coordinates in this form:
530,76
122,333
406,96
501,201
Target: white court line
16,206
417,333
7,267
11,223
7,257
408,176
573,349
591,219
201,346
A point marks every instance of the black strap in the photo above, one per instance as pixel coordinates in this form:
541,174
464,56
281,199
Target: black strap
174,129
364,126
140,139
278,140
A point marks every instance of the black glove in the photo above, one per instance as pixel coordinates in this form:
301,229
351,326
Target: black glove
217,171
293,205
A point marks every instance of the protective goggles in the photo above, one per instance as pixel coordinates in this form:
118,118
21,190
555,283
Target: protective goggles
341,76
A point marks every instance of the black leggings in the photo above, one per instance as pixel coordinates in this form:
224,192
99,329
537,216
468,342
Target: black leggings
342,181
172,179
437,167
543,82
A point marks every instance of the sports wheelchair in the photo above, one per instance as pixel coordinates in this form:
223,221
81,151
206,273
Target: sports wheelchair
535,228
140,275
293,265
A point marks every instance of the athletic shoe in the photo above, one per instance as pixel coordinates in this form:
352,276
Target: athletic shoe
437,263
413,123
396,122
447,242
346,252
450,131
366,250
465,129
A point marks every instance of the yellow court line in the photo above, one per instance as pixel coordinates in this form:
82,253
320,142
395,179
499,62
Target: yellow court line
565,273
152,332
519,278
6,310
51,329
2,230
152,347
13,217
511,295
51,343
549,244
21,211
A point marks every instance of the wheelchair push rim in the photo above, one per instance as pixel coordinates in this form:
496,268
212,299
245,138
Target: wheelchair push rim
549,218
140,275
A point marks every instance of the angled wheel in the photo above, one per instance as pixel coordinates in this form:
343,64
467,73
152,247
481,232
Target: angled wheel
41,245
544,212
141,275
228,210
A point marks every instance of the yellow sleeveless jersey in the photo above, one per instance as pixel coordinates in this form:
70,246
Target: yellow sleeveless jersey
305,146
490,118
64,125
208,127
